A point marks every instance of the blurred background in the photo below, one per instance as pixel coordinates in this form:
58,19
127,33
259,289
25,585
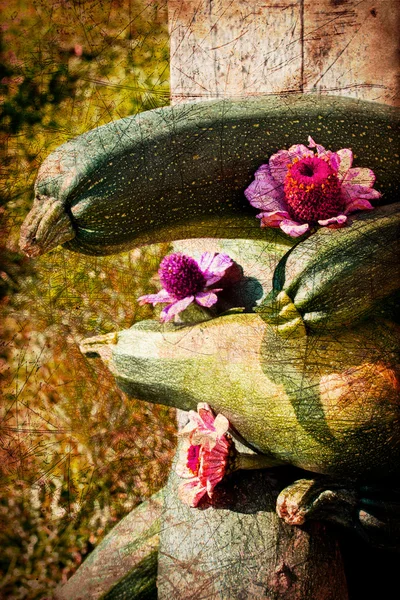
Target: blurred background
75,454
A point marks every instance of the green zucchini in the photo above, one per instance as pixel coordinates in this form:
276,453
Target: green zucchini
180,171
324,402
140,584
336,277
124,564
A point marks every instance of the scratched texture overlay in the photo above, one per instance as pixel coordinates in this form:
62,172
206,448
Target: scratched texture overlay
76,455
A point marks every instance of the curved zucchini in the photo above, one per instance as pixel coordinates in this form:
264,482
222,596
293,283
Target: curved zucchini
179,172
327,403
336,277
124,564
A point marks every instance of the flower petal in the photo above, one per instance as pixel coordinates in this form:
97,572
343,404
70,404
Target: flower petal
220,263
175,308
278,164
293,228
211,480
221,425
264,190
204,406
339,220
273,218
205,260
270,204
346,160
355,185
360,176
283,220
206,415
211,279
205,454
182,469
195,423
214,265
161,296
206,299
358,204
204,438
205,433
334,158
351,192
299,151
334,161
312,144
192,492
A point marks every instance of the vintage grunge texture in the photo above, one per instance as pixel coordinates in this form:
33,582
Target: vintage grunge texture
76,454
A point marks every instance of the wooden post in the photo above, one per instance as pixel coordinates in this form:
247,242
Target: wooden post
221,48
225,49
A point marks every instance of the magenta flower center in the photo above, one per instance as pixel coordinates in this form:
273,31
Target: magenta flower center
312,190
181,276
193,459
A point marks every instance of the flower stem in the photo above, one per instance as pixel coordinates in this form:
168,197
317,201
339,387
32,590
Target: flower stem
255,461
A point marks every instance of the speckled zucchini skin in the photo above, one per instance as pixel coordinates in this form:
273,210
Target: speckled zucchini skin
180,171
336,277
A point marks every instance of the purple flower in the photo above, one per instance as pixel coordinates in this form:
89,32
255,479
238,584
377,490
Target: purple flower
185,280
299,188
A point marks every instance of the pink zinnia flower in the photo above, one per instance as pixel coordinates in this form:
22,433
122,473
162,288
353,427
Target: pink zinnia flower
185,280
299,188
204,454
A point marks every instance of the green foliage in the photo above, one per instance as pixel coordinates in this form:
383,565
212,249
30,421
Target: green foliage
69,66
69,438
75,454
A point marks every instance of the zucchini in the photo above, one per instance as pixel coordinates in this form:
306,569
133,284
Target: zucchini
325,403
124,564
180,171
337,277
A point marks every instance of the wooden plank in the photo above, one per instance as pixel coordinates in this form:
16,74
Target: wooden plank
222,48
125,559
239,549
351,48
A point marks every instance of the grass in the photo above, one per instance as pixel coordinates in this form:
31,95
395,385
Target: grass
75,454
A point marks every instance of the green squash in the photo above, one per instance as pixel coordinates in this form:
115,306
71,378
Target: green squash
180,171
325,403
337,276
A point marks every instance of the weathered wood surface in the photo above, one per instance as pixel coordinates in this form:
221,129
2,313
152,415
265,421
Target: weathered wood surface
221,48
239,548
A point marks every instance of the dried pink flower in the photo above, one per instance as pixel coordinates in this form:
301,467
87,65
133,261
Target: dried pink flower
204,454
299,188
